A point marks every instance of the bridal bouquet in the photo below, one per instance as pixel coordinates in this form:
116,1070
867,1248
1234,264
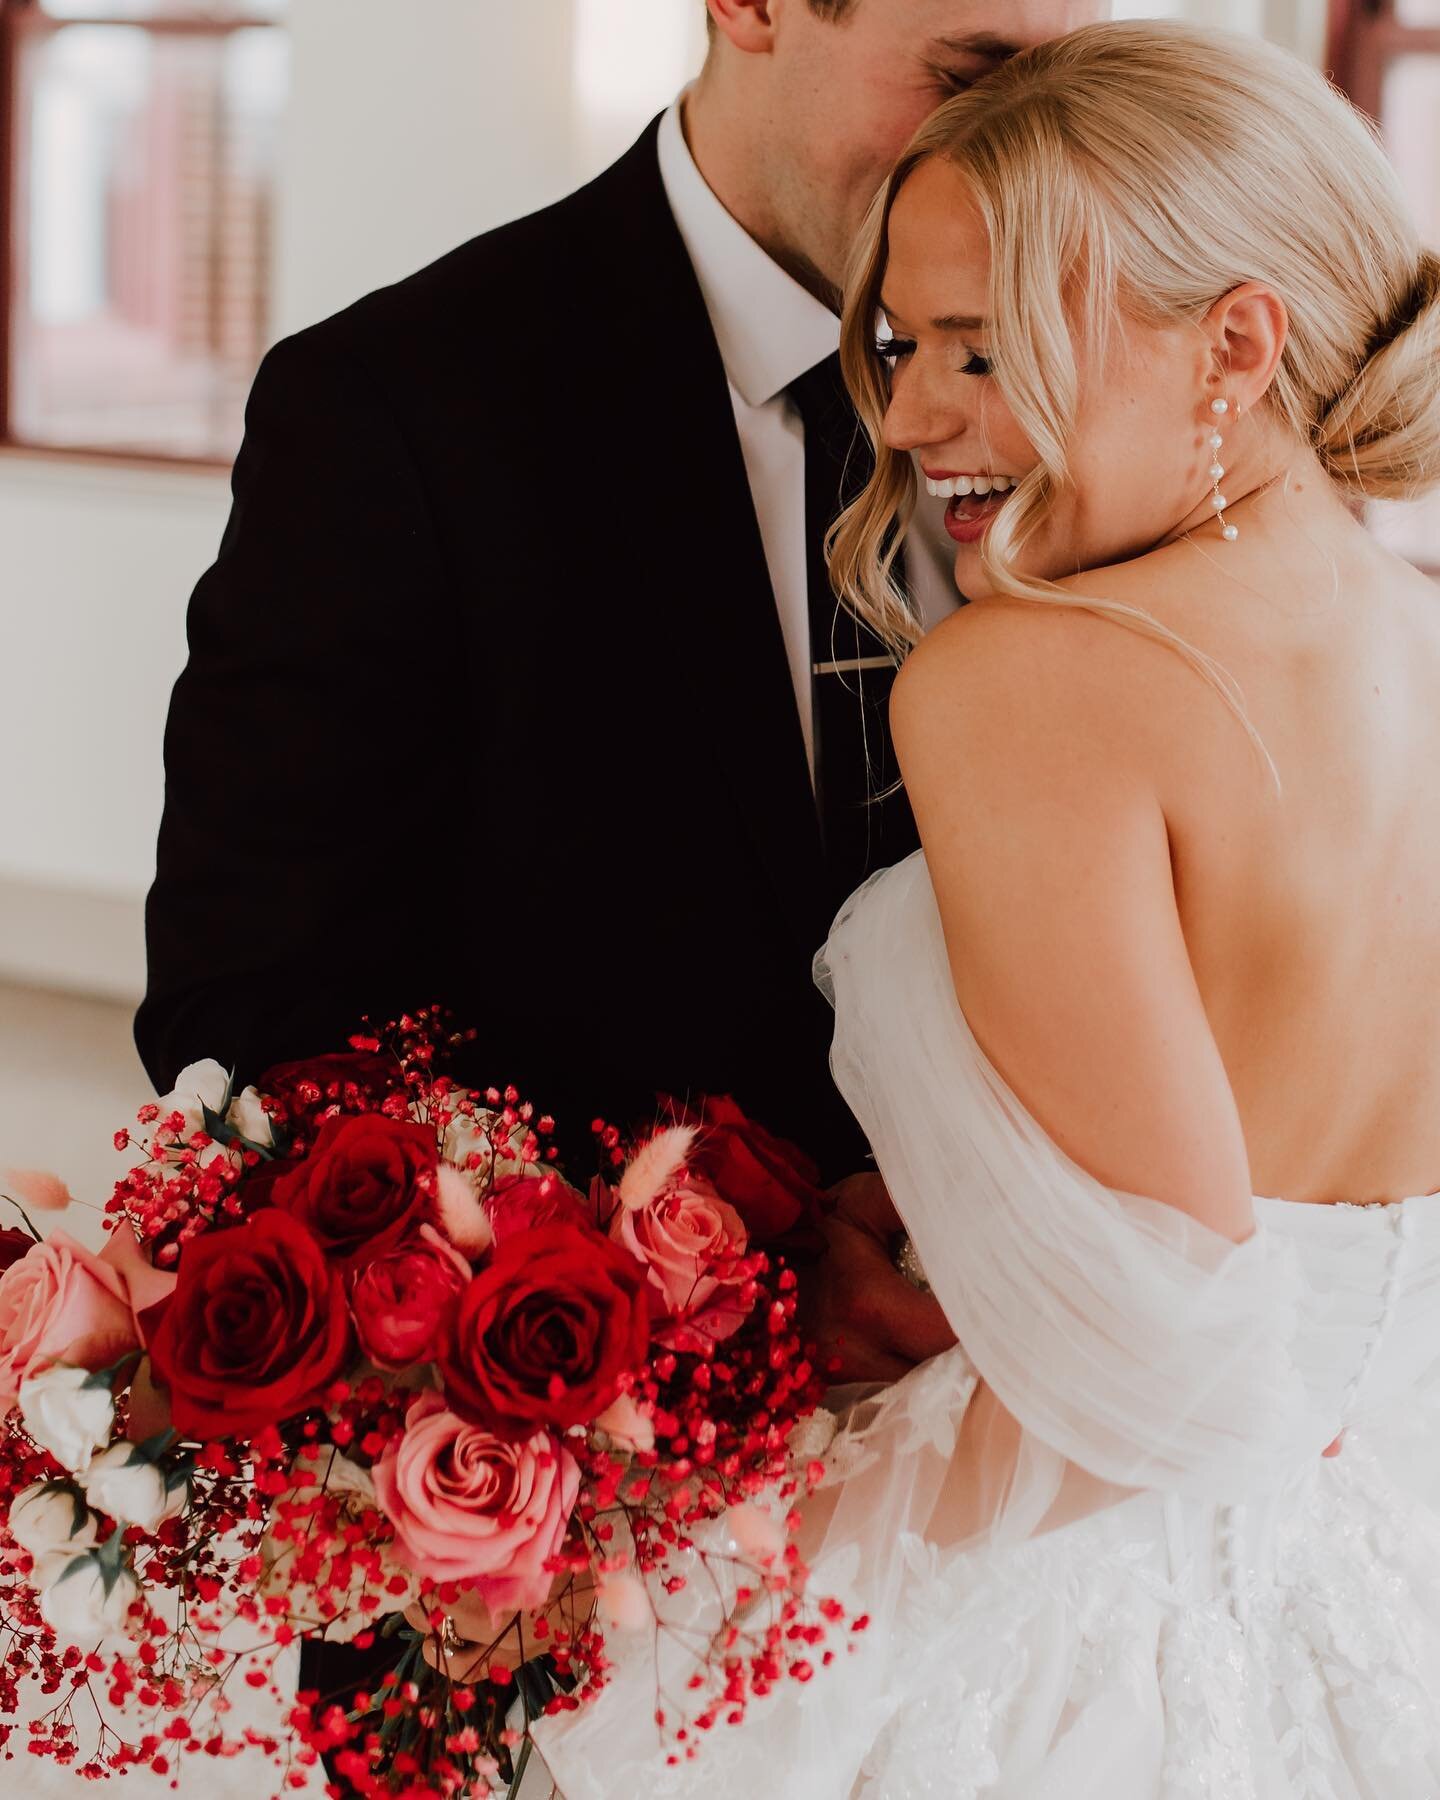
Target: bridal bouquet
356,1355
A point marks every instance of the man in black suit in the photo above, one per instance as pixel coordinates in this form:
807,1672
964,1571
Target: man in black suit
517,683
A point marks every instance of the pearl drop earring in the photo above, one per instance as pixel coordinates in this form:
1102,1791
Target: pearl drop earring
1217,469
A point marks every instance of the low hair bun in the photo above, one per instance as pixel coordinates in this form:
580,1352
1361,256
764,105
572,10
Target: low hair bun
1380,435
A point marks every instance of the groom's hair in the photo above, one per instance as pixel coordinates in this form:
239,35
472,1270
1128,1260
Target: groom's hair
827,9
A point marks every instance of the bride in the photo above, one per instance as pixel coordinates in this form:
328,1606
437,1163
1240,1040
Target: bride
1154,321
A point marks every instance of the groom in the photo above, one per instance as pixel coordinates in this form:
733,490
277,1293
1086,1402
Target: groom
518,684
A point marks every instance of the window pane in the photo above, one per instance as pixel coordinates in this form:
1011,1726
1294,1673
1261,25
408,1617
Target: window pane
1411,529
145,181
1410,109
164,9
1410,113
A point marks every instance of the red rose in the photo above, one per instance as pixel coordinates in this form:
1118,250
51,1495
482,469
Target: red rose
364,1184
255,1330
525,1202
543,1334
14,1243
771,1183
401,1298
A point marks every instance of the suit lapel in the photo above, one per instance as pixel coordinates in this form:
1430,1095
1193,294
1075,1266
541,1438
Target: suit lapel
711,612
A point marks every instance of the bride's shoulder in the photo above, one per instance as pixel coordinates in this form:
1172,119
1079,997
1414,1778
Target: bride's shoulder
1006,678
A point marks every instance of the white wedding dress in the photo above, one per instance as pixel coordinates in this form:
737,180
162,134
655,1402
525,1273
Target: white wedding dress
1226,1615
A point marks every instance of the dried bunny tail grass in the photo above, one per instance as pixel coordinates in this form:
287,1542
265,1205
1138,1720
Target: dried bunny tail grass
36,1188
655,1166
460,1211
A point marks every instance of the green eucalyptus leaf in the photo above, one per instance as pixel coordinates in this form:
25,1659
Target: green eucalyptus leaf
216,1125
155,1447
77,1500
73,1564
106,1378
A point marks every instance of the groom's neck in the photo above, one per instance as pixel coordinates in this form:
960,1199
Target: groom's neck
736,149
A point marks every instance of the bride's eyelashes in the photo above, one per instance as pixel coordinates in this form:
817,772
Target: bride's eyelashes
895,349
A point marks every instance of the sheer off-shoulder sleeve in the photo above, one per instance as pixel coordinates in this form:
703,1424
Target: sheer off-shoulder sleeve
1122,1336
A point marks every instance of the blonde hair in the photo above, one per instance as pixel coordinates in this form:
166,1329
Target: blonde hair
1149,168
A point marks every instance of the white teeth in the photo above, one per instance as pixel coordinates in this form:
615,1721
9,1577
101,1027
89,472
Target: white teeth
969,484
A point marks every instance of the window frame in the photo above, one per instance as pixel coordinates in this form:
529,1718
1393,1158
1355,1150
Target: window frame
20,19
1365,36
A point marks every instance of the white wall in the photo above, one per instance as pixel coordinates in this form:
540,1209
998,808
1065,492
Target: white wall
97,563
410,129
1298,24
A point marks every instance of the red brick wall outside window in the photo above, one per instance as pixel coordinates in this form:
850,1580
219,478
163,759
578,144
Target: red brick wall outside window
1386,55
137,171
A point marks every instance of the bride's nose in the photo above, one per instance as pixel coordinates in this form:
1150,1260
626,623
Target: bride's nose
921,416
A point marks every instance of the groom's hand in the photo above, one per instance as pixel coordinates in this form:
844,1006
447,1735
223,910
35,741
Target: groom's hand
863,1314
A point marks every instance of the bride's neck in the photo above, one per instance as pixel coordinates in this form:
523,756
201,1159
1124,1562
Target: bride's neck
1270,468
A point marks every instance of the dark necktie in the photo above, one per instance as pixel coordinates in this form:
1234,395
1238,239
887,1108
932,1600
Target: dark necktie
852,673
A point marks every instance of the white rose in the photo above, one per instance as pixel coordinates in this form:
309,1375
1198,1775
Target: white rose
250,1119
131,1488
467,1133
80,1603
46,1518
67,1413
197,1086
813,1436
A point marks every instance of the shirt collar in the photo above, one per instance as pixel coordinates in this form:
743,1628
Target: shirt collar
770,329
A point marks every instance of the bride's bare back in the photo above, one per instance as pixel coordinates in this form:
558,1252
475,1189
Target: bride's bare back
1308,914
1312,915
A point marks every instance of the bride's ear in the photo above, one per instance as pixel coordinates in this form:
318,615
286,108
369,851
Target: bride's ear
1247,329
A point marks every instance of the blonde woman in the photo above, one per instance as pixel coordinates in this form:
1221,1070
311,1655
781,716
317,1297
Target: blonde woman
1146,1039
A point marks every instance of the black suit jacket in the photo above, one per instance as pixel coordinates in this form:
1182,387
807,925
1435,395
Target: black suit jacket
487,700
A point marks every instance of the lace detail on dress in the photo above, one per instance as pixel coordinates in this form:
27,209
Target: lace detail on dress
1204,1676
1275,1681
1343,1637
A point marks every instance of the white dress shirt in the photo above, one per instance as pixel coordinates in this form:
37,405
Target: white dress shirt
770,330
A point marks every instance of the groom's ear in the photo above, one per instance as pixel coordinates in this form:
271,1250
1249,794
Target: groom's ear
1247,329
748,24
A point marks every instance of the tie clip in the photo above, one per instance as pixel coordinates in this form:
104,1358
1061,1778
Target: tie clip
854,666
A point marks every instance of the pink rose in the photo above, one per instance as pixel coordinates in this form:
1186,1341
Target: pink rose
693,1246
526,1201
60,1303
145,1285
467,1506
400,1300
